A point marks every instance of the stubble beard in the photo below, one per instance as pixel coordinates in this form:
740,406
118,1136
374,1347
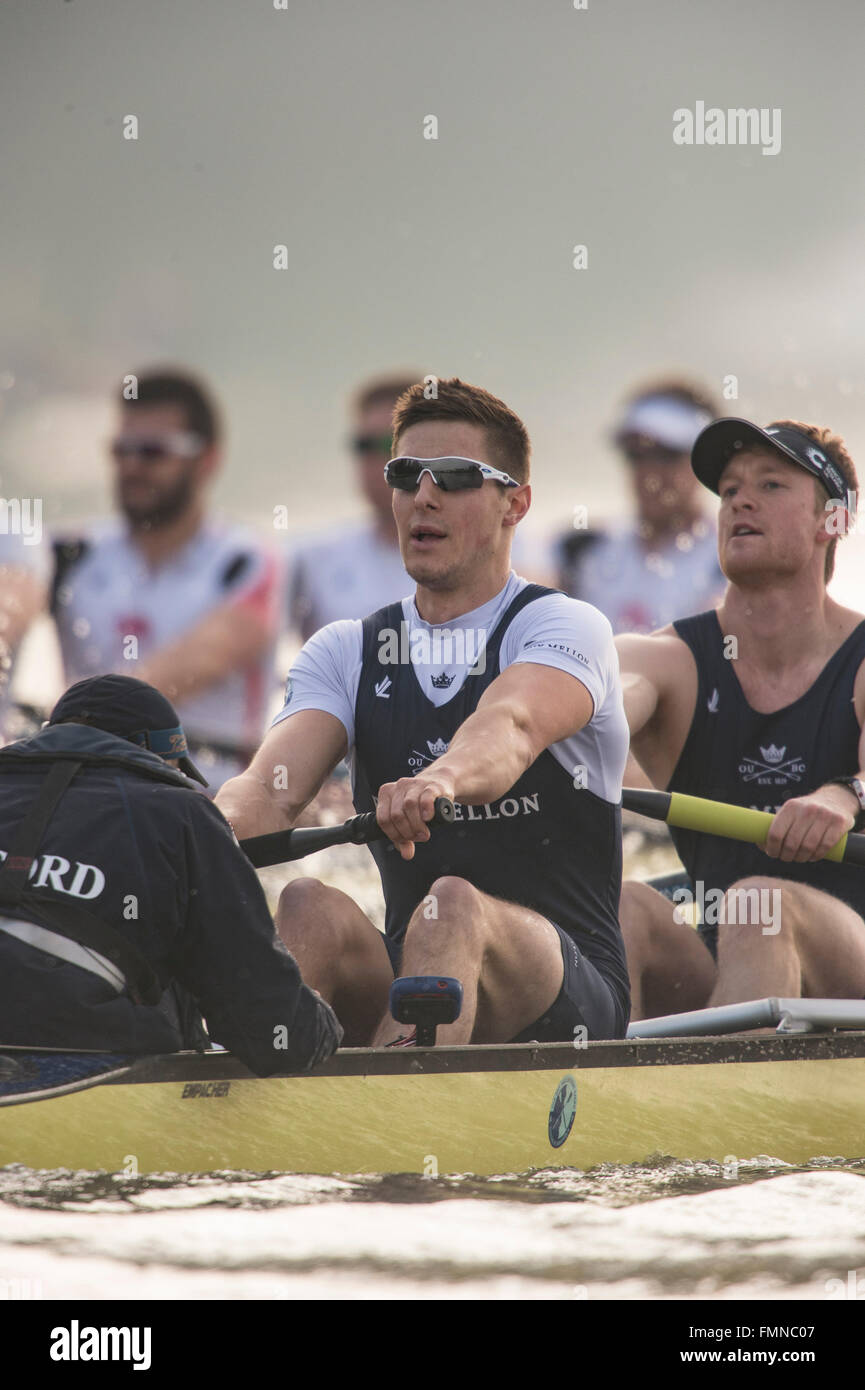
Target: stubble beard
162,510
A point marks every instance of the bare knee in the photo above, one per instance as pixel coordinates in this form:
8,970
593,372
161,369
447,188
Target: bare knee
309,908
452,906
636,906
645,917
755,907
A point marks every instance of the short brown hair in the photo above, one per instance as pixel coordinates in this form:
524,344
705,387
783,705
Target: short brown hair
170,386
506,435
834,447
382,390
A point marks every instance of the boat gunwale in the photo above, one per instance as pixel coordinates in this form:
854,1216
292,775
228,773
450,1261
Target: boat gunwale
497,1057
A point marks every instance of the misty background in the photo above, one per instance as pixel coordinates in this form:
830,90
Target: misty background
304,126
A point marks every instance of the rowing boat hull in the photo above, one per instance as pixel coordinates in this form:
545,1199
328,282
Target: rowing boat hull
460,1110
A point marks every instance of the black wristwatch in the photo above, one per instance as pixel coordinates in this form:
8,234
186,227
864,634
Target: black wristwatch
858,791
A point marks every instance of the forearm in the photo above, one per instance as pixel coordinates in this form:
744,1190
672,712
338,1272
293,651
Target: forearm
285,774
22,599
252,806
488,754
203,657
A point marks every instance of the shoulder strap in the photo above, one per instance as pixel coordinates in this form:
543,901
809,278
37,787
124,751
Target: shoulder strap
67,554
15,871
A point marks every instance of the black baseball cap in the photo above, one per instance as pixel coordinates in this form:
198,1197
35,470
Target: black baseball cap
133,710
719,441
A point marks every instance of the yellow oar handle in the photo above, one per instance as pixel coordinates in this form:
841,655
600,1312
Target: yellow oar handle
719,818
731,822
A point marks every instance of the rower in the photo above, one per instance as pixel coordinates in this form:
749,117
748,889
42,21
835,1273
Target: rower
127,906
760,703
482,688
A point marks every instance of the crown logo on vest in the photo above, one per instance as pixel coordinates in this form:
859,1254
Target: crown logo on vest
437,748
443,681
773,754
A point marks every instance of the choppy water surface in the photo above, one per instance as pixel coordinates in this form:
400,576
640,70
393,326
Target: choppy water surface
663,1229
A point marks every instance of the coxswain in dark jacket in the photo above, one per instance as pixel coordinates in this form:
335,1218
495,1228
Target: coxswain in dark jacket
127,908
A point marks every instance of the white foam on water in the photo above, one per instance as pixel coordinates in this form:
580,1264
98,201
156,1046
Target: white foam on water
782,1237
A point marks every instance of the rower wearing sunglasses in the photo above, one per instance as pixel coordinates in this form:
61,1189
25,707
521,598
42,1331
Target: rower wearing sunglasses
484,688
167,591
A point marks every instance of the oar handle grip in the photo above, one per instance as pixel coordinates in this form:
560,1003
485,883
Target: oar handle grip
719,818
282,846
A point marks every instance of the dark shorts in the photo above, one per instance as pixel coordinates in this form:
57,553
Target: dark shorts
586,999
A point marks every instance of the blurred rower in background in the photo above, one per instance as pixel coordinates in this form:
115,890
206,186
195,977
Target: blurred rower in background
665,562
25,570
166,592
354,569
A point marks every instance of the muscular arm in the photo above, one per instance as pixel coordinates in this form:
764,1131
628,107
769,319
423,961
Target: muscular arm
640,691
659,687
22,598
230,637
285,774
524,710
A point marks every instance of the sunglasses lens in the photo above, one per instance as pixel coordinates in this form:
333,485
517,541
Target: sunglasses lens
404,474
149,450
372,444
460,479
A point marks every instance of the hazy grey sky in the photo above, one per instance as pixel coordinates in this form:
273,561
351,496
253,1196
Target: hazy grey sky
305,126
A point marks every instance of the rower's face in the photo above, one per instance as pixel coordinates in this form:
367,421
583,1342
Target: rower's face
769,522
448,539
662,479
157,485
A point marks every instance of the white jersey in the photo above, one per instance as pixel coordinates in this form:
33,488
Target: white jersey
109,595
642,588
552,631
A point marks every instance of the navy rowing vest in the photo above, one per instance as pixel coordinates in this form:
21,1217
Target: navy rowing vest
545,845
733,753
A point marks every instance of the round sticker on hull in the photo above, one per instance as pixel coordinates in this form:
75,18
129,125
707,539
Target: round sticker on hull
562,1111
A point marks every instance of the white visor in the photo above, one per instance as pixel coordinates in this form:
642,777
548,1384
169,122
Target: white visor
674,424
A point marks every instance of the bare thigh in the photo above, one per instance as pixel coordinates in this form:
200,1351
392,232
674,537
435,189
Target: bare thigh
828,936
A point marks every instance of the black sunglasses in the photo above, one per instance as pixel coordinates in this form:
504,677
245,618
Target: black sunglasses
371,444
152,448
450,474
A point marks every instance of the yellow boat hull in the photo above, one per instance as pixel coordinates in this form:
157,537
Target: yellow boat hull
460,1110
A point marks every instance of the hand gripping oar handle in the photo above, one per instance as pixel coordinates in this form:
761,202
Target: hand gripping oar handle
719,818
285,845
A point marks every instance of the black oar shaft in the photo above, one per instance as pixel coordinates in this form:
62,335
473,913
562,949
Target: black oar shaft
285,845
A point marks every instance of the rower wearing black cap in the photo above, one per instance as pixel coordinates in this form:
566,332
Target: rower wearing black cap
127,908
760,703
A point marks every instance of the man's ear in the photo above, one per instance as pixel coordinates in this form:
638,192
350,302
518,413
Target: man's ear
519,501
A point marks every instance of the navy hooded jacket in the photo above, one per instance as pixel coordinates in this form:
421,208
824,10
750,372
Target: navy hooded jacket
136,844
